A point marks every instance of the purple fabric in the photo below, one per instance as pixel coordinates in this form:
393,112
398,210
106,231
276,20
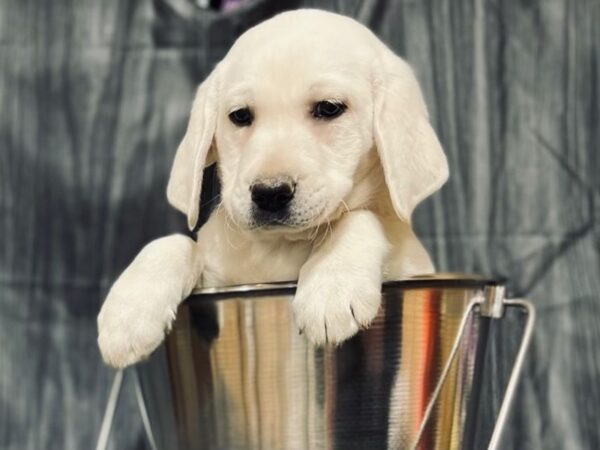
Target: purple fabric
229,5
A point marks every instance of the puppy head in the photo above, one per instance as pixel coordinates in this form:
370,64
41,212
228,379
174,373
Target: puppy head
291,113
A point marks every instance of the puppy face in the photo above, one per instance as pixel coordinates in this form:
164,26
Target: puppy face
293,125
296,115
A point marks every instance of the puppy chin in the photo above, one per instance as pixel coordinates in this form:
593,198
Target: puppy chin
278,224
284,224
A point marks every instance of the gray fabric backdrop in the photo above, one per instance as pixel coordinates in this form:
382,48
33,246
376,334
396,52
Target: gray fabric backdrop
94,96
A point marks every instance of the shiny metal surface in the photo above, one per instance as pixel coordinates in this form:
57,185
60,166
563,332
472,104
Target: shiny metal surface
235,374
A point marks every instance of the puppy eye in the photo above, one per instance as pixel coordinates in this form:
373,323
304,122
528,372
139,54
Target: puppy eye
241,117
328,110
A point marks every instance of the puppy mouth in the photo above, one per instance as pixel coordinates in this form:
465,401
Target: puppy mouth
271,219
285,220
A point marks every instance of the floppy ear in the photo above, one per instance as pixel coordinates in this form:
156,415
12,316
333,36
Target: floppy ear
413,161
185,181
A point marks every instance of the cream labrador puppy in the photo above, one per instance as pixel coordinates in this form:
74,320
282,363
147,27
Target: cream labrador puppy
324,148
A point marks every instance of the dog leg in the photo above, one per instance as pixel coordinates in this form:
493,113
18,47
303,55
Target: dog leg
141,305
339,288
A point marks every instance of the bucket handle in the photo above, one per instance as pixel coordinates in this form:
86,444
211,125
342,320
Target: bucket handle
111,408
491,305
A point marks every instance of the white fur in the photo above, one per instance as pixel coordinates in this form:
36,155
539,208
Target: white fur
358,178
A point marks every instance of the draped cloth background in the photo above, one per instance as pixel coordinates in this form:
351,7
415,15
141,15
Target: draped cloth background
94,97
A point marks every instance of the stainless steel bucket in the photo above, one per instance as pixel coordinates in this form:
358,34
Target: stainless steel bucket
234,372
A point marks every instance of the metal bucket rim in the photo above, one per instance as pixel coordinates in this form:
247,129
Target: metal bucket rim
445,280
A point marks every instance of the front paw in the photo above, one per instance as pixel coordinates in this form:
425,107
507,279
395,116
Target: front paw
133,321
330,309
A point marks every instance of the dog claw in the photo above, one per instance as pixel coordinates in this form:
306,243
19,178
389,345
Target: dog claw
358,325
354,317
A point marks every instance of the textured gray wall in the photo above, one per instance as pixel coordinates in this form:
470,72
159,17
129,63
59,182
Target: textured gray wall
94,96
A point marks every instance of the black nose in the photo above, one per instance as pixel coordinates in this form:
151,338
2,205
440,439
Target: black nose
272,197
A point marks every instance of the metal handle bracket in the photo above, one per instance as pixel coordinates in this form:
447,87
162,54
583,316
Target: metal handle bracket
492,305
